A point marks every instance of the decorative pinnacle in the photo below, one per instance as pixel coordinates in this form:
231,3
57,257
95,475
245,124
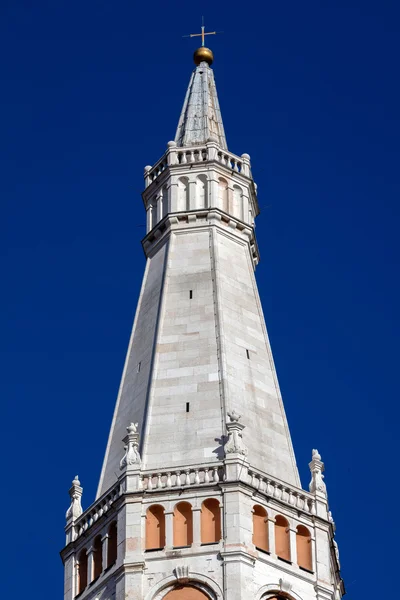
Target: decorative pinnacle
131,441
235,444
317,485
75,509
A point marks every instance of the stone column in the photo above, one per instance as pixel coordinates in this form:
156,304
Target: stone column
159,206
293,545
196,515
313,553
192,195
89,554
169,529
271,535
104,549
213,194
149,218
173,197
245,207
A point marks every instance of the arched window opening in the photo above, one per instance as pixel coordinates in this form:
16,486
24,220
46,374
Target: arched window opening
112,544
183,193
223,195
237,202
82,571
155,528
186,592
303,545
97,557
282,538
183,525
260,528
210,521
201,191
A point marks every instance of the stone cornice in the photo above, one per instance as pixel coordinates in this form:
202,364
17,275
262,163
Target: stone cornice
198,219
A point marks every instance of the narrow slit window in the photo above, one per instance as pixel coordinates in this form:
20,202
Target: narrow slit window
187,407
247,354
139,367
191,294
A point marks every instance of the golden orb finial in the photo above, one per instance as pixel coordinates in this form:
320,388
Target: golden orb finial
203,54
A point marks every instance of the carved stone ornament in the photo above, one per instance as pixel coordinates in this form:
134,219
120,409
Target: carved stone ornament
235,444
317,485
285,585
336,550
131,441
182,573
75,492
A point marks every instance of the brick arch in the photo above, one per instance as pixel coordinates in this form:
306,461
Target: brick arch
260,528
183,524
155,527
303,545
82,570
112,544
272,591
186,592
97,557
210,521
200,581
282,538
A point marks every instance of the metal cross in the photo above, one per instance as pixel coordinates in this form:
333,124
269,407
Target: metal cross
203,33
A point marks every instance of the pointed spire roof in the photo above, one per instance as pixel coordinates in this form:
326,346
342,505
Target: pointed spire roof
201,119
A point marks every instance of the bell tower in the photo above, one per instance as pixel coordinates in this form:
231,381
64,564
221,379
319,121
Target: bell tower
199,496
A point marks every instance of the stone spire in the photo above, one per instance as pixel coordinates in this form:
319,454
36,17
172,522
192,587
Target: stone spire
201,119
201,504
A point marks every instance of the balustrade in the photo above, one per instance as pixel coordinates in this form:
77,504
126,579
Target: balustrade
296,498
182,156
100,508
180,478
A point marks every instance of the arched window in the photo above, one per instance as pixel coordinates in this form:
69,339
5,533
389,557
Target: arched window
223,195
201,191
186,592
303,545
183,193
183,524
260,528
210,521
155,527
112,544
97,557
82,570
282,539
237,202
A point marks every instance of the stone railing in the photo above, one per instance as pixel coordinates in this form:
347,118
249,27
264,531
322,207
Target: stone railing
197,154
179,478
211,474
97,510
274,489
231,161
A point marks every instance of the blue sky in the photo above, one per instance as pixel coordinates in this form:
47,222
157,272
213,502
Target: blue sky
91,93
